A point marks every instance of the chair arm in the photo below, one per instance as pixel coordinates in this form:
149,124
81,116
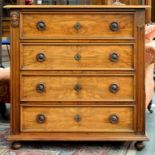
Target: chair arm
150,53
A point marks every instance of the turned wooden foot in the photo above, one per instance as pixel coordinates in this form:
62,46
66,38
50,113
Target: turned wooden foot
149,107
16,145
139,145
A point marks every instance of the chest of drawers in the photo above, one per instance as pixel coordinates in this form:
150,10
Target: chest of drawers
77,73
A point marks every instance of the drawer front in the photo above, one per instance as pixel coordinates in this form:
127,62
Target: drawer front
77,57
76,25
77,119
77,88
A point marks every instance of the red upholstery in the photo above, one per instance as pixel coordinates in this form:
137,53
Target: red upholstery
149,32
149,83
150,52
4,74
4,85
150,61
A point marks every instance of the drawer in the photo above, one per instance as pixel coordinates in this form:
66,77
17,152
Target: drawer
76,25
77,88
76,119
77,57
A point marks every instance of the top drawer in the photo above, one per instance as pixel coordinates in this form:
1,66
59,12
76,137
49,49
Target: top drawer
77,25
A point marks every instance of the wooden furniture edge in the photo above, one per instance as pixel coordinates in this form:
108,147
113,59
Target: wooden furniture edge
74,6
77,137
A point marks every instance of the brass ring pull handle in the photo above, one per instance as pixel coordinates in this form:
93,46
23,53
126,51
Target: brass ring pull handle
114,57
77,118
77,57
113,119
41,26
40,57
114,88
77,87
77,26
40,88
40,118
114,26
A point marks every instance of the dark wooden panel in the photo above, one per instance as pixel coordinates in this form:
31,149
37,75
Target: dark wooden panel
153,11
6,27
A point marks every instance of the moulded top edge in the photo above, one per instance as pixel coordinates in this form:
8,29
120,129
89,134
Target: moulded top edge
76,6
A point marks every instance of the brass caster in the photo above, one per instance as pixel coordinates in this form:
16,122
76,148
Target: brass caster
139,145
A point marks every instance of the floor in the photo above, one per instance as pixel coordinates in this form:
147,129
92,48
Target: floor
150,130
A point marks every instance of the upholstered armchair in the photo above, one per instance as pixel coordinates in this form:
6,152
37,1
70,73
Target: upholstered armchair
150,62
4,90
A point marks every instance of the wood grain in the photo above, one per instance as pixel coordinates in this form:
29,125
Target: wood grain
125,7
61,88
93,25
61,56
140,92
60,103
14,74
79,136
93,119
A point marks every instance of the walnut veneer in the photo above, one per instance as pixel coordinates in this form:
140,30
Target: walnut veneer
77,73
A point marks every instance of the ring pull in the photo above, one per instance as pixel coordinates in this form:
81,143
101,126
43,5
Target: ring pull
114,26
113,119
114,57
114,88
40,57
40,88
41,26
40,118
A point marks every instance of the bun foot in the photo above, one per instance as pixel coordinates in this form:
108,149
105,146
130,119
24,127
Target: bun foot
16,145
139,145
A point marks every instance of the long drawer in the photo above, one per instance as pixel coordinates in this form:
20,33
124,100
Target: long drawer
77,88
48,56
76,25
77,119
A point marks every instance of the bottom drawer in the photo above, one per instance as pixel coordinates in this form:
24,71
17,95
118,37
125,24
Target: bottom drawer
76,119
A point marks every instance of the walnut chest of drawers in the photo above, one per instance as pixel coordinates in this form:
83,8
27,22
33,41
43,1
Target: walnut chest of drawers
77,73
